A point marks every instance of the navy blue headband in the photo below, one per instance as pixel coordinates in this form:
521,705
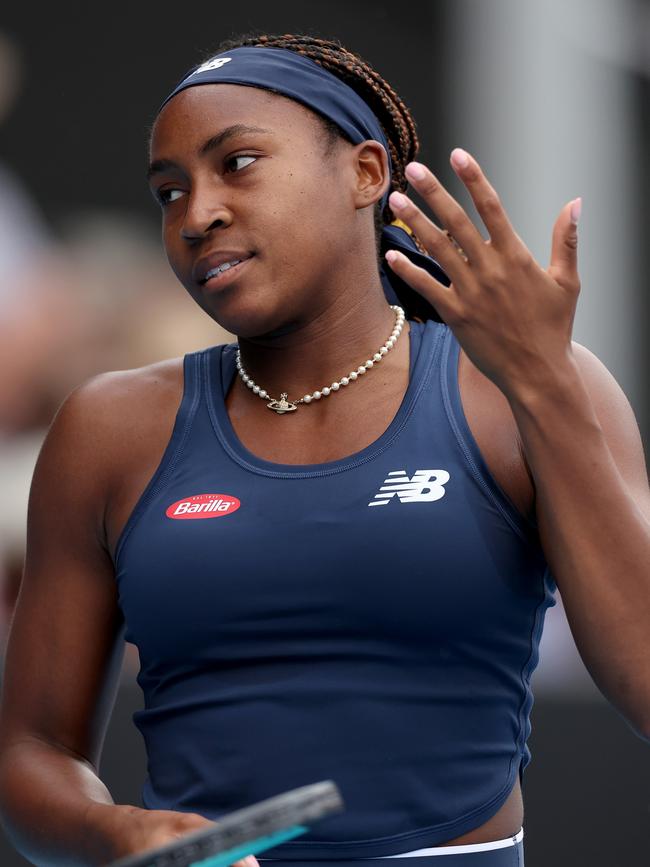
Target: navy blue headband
305,81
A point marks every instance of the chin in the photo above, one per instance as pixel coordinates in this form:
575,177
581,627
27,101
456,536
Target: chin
249,320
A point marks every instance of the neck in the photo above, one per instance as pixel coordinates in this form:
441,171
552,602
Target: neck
322,349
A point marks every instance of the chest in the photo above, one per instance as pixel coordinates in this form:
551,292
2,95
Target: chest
354,421
351,423
293,559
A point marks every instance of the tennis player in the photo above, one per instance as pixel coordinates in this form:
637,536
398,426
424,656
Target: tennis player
334,539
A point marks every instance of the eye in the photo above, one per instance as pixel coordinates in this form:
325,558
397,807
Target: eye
168,195
240,157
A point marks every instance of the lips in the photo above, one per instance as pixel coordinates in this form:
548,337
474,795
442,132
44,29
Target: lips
205,268
216,279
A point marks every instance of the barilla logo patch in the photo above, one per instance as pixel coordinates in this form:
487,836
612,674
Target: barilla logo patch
203,506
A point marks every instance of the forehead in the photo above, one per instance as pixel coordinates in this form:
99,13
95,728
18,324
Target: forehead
203,110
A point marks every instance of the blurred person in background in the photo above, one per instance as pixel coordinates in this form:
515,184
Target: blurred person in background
39,324
38,319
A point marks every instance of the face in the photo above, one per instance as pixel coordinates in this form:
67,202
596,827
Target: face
240,174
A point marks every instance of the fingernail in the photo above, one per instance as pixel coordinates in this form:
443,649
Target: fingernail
391,256
397,200
416,171
459,158
576,210
251,861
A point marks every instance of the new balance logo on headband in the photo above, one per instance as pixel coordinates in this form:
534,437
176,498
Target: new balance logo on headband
215,63
425,486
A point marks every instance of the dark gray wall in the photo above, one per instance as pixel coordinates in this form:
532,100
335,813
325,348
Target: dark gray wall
93,82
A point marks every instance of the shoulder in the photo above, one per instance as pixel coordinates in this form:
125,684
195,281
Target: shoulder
101,422
608,398
604,390
141,383
618,422
121,399
100,430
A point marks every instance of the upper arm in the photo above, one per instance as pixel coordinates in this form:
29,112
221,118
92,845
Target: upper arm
65,645
619,425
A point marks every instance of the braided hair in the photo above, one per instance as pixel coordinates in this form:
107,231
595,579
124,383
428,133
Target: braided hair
393,115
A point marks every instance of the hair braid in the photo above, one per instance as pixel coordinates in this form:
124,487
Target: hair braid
393,115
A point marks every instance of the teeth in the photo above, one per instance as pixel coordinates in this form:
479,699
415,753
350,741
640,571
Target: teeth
224,267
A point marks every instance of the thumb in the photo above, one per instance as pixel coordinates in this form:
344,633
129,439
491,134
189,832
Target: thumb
564,249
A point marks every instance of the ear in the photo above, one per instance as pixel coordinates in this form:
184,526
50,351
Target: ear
370,162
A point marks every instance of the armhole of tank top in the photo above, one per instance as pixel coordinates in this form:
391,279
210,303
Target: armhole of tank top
468,445
182,424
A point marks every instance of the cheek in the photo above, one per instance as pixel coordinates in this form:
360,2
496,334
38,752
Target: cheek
170,234
170,250
305,191
307,213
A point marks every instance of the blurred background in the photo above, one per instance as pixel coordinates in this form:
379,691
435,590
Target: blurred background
553,100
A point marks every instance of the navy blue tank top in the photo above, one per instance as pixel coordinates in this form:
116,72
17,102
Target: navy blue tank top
373,620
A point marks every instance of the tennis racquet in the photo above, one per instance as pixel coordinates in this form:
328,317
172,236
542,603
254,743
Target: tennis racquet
247,831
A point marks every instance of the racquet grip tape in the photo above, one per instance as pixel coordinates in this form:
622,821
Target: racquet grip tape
247,831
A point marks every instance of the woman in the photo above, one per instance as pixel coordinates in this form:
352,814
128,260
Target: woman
333,541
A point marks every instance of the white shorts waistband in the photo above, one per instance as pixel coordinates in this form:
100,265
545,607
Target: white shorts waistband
458,850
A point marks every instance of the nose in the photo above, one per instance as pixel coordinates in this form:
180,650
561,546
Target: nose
204,213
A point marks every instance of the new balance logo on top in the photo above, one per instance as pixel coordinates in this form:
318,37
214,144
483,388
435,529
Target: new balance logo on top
425,486
215,63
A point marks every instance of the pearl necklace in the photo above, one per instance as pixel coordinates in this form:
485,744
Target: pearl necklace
284,405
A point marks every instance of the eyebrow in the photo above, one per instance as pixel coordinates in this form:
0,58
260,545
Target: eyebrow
210,144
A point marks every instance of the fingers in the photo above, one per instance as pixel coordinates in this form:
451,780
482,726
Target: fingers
442,297
485,198
564,250
450,214
248,861
434,239
453,217
457,246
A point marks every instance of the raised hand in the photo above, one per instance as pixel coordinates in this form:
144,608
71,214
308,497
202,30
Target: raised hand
513,318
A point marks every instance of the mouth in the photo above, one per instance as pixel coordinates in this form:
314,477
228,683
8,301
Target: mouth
224,274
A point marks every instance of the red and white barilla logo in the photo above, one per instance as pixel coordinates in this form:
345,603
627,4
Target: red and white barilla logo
203,506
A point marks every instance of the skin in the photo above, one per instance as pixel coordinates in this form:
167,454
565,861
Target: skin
326,312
